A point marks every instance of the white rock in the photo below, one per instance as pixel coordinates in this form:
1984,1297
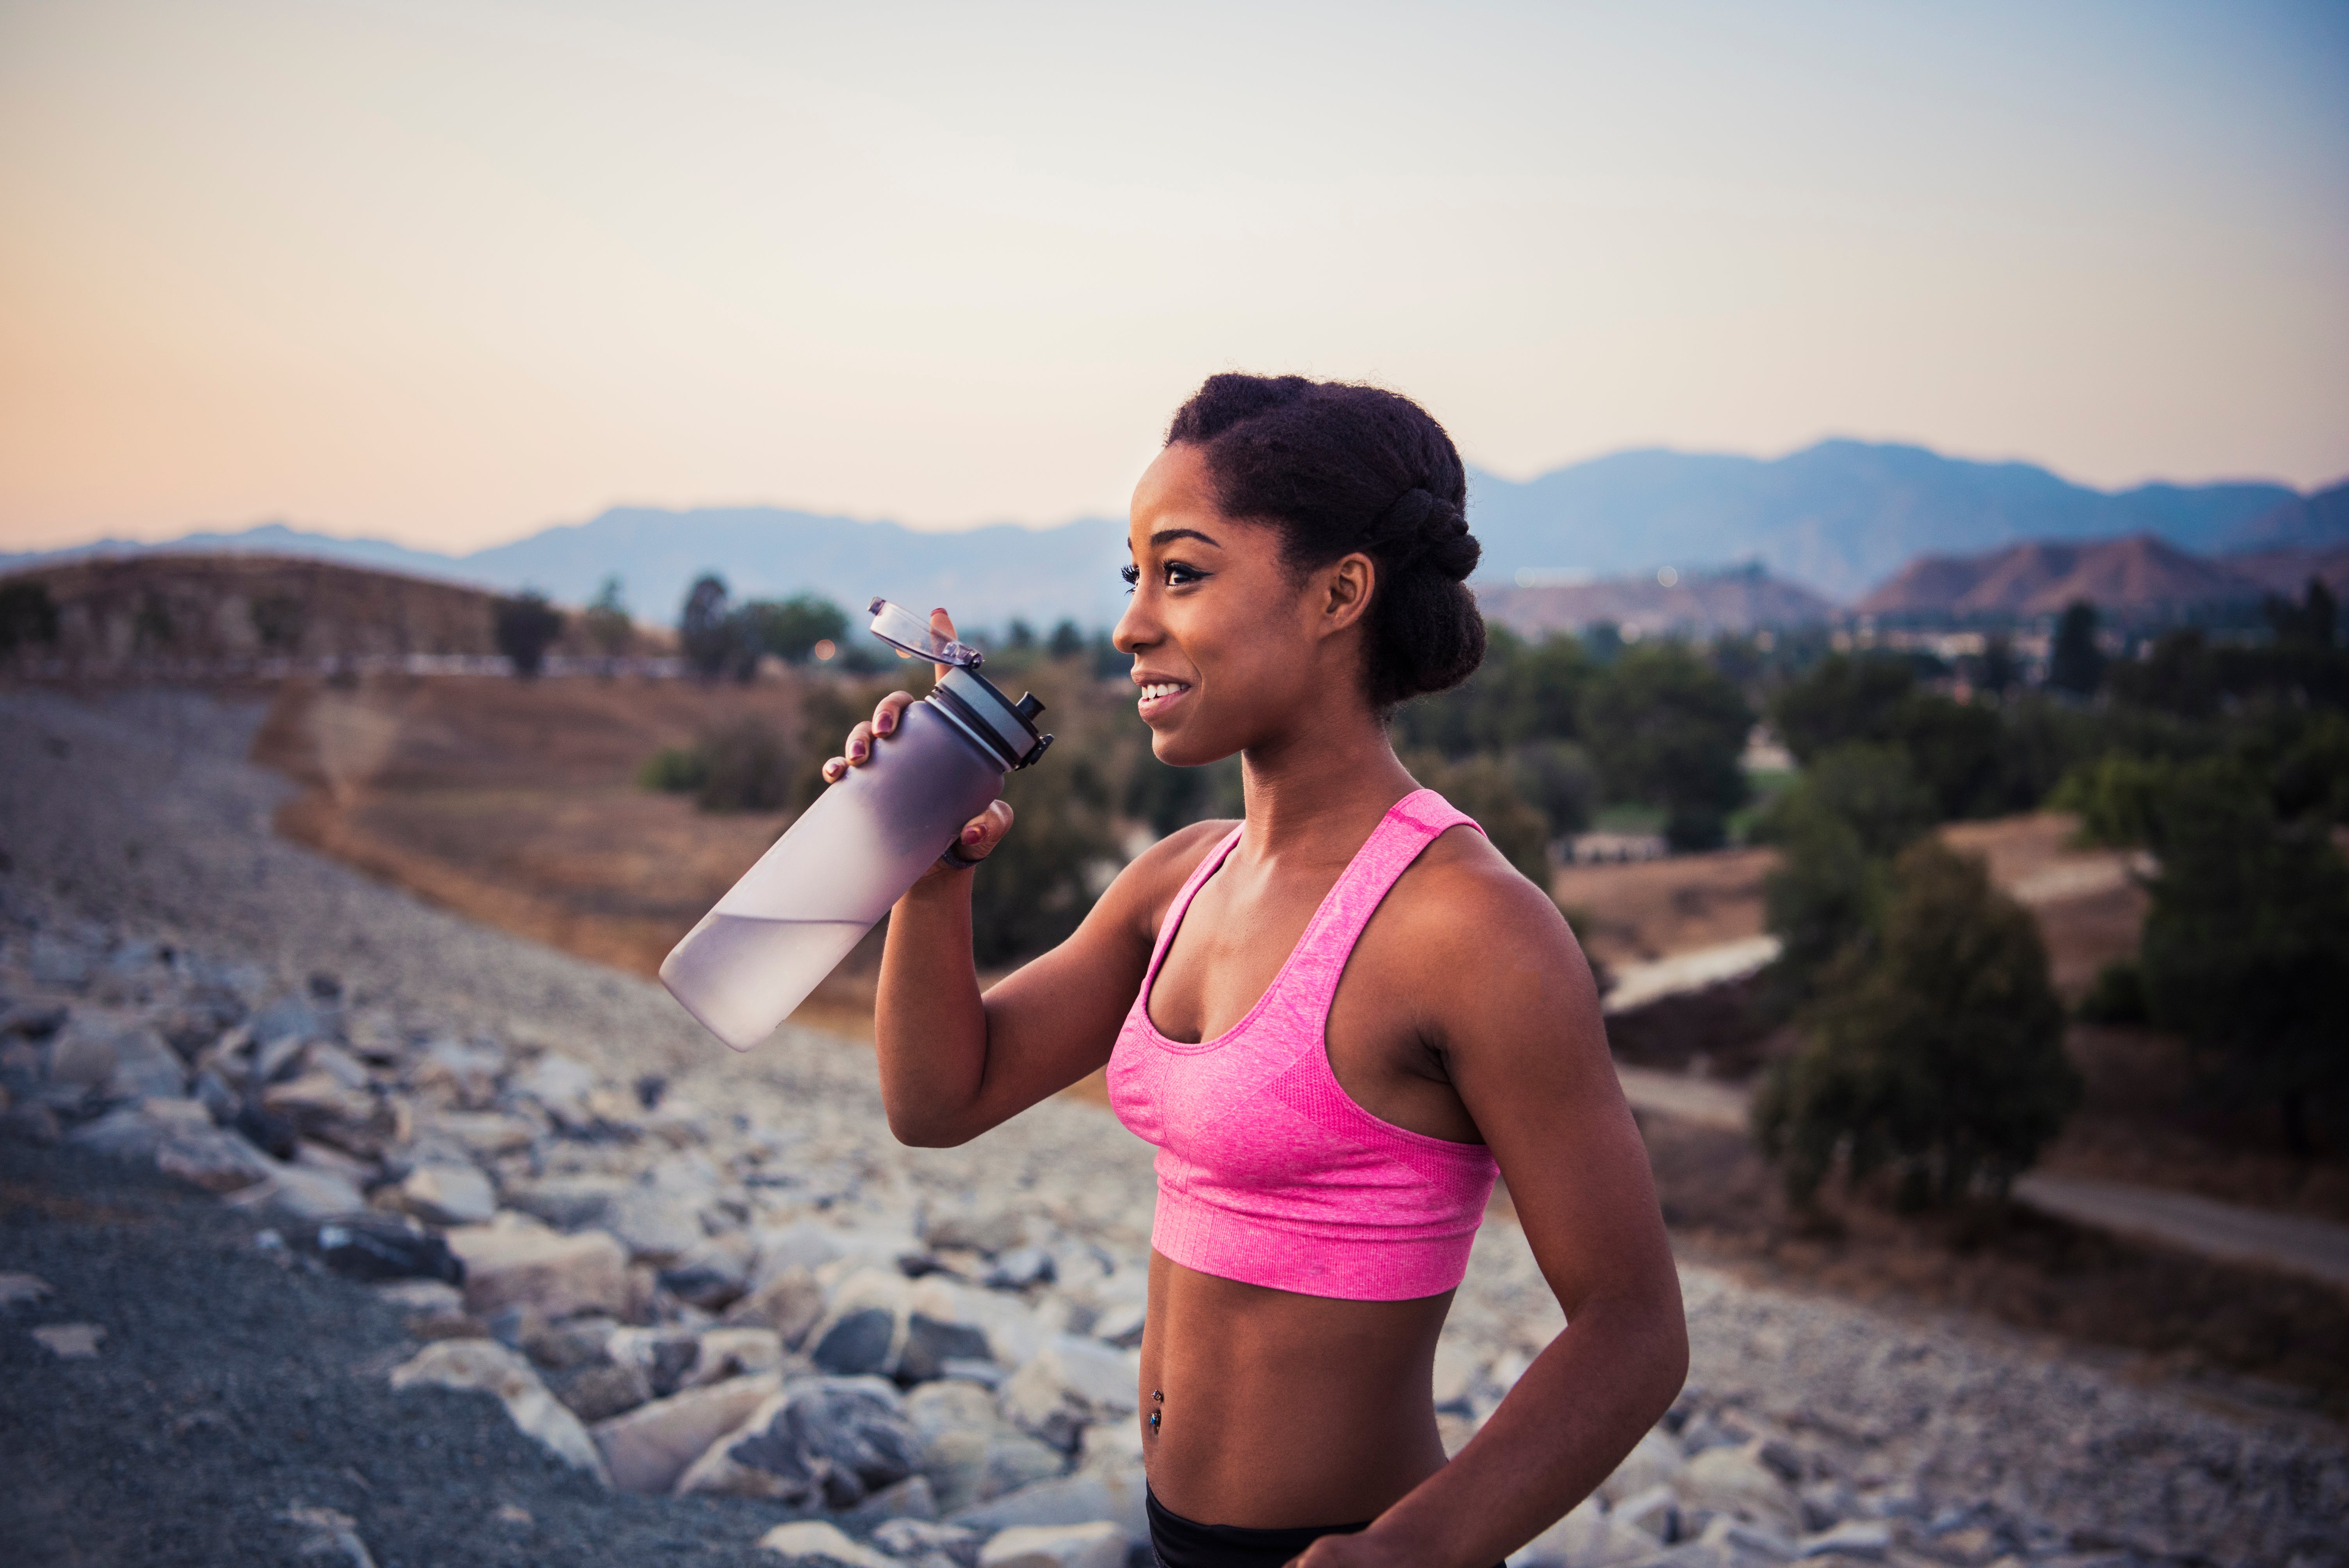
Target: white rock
1068,1385
1099,1544
561,1084
1455,1375
647,1448
449,1195
213,1158
737,1353
812,1541
1866,1539
1069,1500
801,1246
1736,1483
484,1364
302,1192
489,1133
829,1440
1013,1335
69,1341
1651,1513
18,1288
144,1064
516,1265
790,1303
1654,1459
912,1537
1585,1538
1111,1446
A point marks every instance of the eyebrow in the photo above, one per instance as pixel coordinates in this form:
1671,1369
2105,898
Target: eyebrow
1168,535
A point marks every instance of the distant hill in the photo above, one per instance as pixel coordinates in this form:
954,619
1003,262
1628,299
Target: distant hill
2288,571
2040,577
1833,518
1836,516
2316,521
1699,604
214,610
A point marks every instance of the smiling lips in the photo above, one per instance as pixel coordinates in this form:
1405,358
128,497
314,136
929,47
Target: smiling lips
1158,696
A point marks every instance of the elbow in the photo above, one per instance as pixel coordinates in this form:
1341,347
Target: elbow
917,1131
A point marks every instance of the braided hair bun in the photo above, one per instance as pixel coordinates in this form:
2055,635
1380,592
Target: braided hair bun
1338,468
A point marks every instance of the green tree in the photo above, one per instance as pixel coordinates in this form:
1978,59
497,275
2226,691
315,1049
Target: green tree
1483,787
1068,641
2076,663
1038,884
27,616
606,623
791,628
705,629
1936,1052
1668,729
744,766
526,626
1835,829
1558,779
2246,948
1846,697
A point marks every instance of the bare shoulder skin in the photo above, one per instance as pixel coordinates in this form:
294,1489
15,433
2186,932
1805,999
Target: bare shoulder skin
1466,1012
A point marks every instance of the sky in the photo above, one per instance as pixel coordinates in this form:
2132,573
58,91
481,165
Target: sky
451,272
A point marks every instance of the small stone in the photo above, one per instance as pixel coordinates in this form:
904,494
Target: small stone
930,1344
295,1193
813,1541
328,1536
1654,1459
904,1537
485,1365
566,1203
509,1264
378,1247
489,1133
988,1234
1069,1499
435,1309
1021,1267
561,1084
449,1195
511,1513
829,1441
598,1393
1653,1513
650,1447
70,1341
790,1303
1099,1544
459,1073
737,1353
910,1499
1866,1539
145,1064
1735,1482
1585,1538
856,1344
15,1289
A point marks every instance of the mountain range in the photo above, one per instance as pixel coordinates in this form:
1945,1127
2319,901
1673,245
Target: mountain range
1832,519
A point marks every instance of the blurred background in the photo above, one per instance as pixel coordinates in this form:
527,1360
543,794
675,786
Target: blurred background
1908,445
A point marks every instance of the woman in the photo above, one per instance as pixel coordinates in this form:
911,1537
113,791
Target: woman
1335,1018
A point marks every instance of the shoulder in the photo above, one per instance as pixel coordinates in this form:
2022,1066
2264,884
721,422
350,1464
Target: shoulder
1470,912
1149,882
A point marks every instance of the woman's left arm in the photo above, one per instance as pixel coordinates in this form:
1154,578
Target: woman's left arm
1511,1002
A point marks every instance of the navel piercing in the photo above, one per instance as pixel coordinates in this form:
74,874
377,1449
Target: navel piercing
1157,1397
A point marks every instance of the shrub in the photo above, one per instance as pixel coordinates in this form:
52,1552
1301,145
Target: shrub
746,766
1937,1055
1040,883
1558,779
279,621
526,626
2075,664
606,621
2118,996
28,615
1848,696
705,629
1483,787
790,629
2118,797
1666,730
2246,948
675,770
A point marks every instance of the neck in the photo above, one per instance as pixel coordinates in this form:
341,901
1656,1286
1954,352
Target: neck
1322,786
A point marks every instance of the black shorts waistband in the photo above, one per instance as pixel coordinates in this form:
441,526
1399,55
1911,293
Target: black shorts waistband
1181,1542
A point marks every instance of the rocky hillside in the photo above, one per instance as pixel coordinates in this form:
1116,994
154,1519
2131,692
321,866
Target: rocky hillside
712,1284
1699,603
223,611
2039,577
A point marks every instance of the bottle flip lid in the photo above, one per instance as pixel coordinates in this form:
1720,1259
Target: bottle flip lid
910,634
968,699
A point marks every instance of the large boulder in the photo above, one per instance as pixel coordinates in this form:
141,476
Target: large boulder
822,1441
1068,1385
650,1447
487,1365
1069,1500
514,1264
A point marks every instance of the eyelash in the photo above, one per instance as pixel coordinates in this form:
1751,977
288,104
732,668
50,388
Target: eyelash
1133,576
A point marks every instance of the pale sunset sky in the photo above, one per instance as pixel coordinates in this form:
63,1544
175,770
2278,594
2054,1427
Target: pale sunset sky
449,272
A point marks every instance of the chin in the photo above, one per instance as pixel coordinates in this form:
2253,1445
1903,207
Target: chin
1177,751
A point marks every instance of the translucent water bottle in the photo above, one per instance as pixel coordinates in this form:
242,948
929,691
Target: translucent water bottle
822,885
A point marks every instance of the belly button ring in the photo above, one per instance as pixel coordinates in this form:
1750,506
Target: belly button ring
1157,1397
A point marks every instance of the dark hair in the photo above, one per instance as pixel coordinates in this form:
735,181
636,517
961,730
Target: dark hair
1341,468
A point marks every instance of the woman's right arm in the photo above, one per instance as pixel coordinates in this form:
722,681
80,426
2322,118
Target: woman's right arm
953,1062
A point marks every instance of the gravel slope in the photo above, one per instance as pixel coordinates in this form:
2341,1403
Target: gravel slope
138,812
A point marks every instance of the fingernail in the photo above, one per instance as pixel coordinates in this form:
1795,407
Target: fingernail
856,752
970,835
884,724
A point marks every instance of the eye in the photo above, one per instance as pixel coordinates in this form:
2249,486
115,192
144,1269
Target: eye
1132,573
1179,575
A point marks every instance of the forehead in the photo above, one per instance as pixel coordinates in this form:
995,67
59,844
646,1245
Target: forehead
1177,491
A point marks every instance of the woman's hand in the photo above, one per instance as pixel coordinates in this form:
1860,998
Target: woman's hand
981,833
1358,1551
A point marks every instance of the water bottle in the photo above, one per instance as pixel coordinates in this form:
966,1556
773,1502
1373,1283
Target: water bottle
822,885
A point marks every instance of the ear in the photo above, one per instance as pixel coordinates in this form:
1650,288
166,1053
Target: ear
1346,585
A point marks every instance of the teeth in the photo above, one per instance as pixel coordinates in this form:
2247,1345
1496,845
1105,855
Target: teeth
1152,692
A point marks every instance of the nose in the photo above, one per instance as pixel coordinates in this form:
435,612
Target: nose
1135,630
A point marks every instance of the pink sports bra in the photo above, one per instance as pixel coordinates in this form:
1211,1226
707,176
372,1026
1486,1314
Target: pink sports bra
1268,1170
